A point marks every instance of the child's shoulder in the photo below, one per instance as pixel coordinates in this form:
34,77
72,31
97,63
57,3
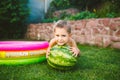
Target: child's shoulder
53,40
71,40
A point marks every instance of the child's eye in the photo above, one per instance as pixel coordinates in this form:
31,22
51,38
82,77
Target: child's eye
57,35
63,35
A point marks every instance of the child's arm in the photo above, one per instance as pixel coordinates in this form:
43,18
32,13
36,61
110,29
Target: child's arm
74,48
51,43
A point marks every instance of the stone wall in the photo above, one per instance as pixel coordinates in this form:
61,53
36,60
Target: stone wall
102,32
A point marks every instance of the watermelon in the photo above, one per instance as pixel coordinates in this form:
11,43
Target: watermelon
61,57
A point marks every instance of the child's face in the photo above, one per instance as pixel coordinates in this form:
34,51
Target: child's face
61,36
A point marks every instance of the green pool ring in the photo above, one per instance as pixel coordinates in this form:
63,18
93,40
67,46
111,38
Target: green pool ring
21,61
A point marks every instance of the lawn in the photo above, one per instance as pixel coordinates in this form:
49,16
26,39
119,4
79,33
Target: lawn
95,63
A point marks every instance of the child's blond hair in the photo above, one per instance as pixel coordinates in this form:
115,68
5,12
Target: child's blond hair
62,24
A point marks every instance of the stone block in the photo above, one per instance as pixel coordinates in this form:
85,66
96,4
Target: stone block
116,45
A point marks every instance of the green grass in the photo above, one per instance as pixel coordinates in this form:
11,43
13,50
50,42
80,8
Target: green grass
95,63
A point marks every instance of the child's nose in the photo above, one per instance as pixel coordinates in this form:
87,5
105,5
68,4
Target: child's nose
60,38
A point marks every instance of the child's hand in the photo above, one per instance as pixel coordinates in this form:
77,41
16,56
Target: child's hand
75,51
47,52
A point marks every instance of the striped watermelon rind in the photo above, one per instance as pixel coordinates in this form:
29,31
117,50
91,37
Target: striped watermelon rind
61,58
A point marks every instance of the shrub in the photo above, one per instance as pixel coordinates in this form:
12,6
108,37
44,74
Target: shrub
60,4
13,14
83,15
111,15
49,20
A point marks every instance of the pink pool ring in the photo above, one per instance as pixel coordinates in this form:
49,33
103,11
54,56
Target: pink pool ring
22,52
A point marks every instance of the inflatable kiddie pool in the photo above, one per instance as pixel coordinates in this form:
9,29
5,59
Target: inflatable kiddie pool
22,52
